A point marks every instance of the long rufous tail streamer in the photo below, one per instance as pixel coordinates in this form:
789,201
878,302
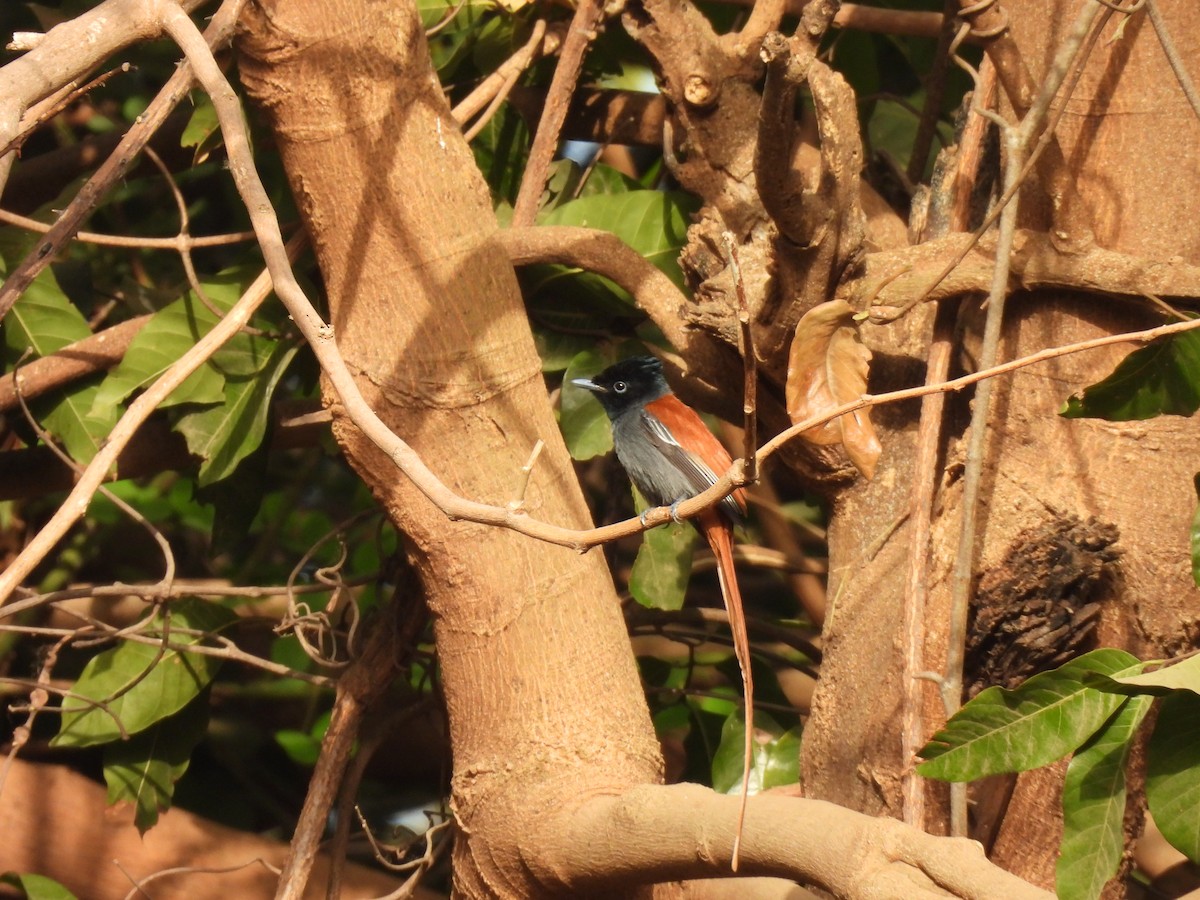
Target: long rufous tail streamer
719,535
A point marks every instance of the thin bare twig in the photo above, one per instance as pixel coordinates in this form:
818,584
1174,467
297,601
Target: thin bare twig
140,883
1018,141
1173,57
185,253
589,16
500,82
1068,59
38,698
518,500
914,728
693,506
375,731
749,362
300,617
935,90
139,410
155,533
913,731
358,691
135,243
964,563
178,588
114,168
41,113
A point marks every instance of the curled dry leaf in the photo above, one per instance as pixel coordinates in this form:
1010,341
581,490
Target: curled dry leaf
827,367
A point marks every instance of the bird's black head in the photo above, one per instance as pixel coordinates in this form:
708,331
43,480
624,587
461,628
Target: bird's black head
631,382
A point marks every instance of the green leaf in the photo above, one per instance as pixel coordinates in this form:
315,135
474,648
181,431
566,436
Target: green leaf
202,122
1180,676
300,746
776,758
1195,536
143,770
222,436
568,181
304,747
451,46
1011,731
500,150
202,131
37,887
1163,378
45,321
659,577
1173,772
558,349
137,686
654,223
1094,806
582,419
170,333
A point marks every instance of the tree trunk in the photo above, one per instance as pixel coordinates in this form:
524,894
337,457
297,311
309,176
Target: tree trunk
1128,135
545,705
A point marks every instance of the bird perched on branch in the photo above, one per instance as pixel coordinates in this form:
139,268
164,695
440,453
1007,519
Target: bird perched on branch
670,455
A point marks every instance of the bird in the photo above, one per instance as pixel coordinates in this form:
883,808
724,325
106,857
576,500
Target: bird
670,455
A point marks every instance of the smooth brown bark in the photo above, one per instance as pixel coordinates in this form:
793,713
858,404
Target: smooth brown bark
57,822
544,701
1131,141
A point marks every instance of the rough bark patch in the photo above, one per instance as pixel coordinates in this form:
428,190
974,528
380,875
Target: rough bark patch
1038,608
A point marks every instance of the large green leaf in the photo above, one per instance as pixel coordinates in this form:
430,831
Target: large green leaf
892,129
1184,675
143,770
654,223
1042,720
659,577
1094,806
44,320
170,333
223,435
1163,378
202,131
454,41
36,887
775,761
1173,772
557,349
582,419
137,686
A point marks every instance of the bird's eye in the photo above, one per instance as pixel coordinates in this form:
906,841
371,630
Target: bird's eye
619,387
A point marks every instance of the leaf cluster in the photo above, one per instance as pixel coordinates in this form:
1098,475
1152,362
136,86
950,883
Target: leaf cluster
1092,708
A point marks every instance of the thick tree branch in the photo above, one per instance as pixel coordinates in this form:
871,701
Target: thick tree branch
654,833
784,197
93,354
896,278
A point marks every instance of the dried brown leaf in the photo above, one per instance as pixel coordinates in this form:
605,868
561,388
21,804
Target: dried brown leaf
827,368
